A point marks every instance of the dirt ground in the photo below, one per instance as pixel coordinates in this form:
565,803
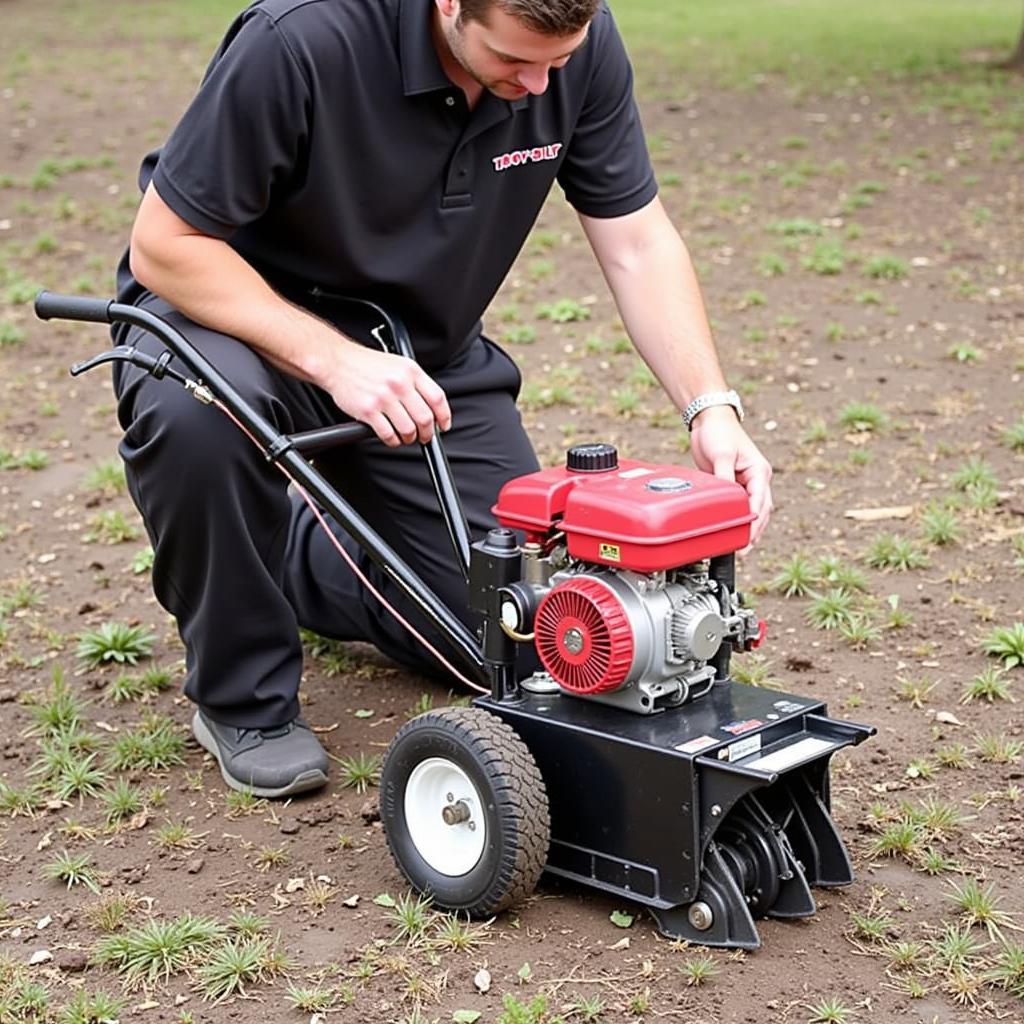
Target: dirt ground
859,247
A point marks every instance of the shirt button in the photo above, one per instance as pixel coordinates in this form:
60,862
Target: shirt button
450,100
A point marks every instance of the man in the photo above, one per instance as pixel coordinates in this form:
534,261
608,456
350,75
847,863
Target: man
398,150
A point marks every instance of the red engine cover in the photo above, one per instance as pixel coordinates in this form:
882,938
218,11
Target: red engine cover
641,515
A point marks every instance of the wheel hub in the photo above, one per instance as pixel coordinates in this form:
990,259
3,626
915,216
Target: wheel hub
442,811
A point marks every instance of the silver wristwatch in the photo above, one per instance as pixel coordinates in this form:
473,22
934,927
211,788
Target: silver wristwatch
702,402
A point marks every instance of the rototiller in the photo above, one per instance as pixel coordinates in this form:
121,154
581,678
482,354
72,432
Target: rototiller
632,763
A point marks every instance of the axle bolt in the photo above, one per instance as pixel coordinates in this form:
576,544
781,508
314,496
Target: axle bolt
456,814
716,811
700,916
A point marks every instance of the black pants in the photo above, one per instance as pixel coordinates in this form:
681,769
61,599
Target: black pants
241,563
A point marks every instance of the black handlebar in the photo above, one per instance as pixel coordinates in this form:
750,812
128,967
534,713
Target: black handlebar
50,306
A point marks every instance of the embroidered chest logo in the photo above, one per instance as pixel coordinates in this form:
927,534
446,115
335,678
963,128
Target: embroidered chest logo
519,157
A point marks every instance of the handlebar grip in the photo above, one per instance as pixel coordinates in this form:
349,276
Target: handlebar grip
50,306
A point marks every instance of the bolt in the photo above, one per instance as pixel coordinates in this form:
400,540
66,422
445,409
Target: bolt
700,916
716,811
472,826
455,814
450,798
573,640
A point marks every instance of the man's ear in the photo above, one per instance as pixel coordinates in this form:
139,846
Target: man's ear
448,8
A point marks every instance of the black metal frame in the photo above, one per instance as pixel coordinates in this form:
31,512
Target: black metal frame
647,807
289,449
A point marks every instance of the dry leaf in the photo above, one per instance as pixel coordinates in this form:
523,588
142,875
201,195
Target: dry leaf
140,820
871,515
947,718
621,944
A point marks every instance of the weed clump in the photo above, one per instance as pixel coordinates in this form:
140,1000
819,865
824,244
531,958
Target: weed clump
114,643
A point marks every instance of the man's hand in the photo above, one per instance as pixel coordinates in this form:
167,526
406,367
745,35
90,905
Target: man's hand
721,446
390,393
212,284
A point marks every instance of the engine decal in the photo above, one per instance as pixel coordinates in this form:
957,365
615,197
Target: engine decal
740,727
612,552
632,474
744,748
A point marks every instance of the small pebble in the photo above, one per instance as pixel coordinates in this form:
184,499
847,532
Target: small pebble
288,826
72,961
195,865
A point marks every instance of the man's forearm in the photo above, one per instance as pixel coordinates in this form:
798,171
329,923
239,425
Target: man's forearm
210,283
650,274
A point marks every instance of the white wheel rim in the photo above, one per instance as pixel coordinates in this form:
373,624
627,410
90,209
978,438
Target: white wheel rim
436,784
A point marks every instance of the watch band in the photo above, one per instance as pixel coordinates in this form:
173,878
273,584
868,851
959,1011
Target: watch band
706,401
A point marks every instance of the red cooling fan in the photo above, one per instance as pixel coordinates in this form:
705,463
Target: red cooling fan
584,637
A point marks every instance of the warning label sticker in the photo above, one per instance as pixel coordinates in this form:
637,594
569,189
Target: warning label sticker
788,707
736,728
611,551
695,746
632,474
744,748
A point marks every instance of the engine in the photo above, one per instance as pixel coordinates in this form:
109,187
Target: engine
627,578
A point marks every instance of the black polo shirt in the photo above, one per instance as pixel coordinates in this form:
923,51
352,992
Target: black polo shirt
329,147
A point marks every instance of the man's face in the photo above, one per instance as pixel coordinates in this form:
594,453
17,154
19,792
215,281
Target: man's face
505,56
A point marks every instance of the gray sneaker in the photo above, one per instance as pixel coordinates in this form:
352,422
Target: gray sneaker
267,762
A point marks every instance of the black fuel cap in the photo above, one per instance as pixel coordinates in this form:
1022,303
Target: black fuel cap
592,458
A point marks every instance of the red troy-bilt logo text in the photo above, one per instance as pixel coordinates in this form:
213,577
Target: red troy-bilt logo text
518,157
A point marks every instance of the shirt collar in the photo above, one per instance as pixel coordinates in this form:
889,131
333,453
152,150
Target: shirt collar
421,66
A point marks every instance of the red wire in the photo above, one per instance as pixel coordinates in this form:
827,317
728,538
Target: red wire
360,575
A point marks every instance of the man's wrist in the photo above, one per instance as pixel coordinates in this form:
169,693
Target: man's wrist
711,400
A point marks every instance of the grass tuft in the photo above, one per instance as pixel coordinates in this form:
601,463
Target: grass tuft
698,969
231,965
115,643
90,1008
989,685
73,869
155,744
889,551
156,950
1007,644
359,771
831,609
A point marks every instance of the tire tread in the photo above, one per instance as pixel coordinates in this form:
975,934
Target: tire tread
522,802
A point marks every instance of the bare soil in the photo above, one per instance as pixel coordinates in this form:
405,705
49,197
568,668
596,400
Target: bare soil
921,173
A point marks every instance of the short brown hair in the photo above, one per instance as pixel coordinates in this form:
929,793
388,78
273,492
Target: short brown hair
549,17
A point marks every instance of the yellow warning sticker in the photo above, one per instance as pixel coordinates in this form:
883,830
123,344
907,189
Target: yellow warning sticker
612,552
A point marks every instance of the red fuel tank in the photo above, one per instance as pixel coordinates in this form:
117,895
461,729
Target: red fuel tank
639,515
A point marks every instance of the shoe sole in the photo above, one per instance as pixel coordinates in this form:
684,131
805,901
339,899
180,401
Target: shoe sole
302,783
